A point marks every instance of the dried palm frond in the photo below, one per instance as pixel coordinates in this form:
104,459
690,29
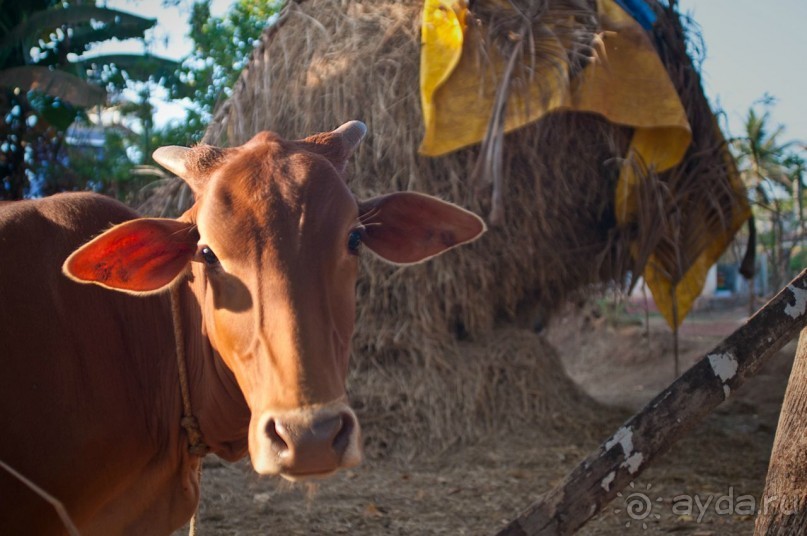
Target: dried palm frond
537,39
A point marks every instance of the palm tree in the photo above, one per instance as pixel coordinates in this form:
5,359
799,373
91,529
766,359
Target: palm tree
761,159
797,171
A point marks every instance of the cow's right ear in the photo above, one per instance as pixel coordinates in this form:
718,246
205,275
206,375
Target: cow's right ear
142,256
408,227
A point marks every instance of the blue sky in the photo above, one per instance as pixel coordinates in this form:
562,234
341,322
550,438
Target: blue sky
752,48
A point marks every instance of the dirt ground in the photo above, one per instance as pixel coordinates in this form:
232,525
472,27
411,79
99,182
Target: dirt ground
709,483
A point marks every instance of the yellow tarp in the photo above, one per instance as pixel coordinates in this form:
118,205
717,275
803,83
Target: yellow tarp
628,84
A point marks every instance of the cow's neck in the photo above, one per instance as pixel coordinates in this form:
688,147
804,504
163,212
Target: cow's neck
216,399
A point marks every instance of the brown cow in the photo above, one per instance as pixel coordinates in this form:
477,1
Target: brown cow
263,269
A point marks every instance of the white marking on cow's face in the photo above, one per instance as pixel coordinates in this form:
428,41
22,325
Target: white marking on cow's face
800,305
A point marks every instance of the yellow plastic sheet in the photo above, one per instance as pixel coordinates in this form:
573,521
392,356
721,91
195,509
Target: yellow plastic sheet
628,85
441,38
457,87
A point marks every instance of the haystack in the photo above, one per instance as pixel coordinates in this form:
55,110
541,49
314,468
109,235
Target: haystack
444,350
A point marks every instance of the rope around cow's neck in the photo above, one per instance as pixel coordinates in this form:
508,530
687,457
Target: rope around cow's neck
196,445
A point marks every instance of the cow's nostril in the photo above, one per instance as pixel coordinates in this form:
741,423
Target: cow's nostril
303,443
342,438
278,443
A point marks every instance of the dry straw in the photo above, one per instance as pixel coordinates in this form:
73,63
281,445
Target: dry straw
443,351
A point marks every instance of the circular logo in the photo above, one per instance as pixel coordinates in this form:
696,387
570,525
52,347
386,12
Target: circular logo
638,506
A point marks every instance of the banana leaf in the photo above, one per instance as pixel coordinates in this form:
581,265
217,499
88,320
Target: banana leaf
135,66
83,36
59,84
41,23
56,112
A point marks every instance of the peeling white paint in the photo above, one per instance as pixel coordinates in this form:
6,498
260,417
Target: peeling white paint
797,309
608,480
724,366
633,462
623,437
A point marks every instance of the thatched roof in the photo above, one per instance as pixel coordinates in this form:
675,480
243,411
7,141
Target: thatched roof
438,332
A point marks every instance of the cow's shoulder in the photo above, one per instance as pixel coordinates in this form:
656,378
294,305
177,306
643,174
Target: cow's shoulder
66,219
82,209
36,236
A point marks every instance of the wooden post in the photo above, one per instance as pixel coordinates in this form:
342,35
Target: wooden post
649,433
783,506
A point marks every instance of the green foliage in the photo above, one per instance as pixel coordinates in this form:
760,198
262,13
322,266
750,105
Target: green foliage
117,69
773,172
57,113
108,170
42,40
48,33
56,84
44,91
798,259
222,48
761,154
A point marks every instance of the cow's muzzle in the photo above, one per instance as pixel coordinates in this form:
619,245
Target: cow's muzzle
306,443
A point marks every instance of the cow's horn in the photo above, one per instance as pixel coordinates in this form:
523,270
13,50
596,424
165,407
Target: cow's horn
352,133
173,158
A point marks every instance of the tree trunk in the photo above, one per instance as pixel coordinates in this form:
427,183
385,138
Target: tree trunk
777,248
748,265
783,507
667,418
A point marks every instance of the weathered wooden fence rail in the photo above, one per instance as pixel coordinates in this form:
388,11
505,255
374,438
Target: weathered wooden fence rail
649,433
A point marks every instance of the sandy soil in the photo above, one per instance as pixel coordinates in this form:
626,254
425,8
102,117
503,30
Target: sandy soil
716,474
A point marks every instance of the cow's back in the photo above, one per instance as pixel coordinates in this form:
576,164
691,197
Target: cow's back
72,361
54,225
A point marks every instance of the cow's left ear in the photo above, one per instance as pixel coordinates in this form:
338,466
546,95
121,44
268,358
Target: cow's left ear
141,256
408,227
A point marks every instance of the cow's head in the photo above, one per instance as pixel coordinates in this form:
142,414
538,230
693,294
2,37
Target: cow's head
277,234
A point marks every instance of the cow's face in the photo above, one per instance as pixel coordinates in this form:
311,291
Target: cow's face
275,236
279,237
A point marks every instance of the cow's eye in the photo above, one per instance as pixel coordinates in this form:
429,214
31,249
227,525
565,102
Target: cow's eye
206,255
354,242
